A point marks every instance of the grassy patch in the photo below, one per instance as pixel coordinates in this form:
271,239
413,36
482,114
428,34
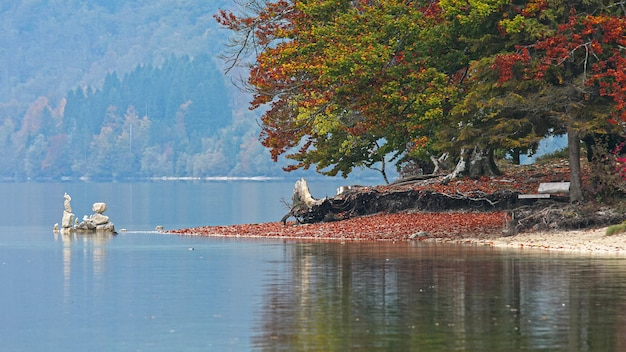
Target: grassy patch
615,229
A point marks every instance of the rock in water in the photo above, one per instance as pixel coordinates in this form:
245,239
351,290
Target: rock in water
108,227
99,208
99,219
86,226
66,203
68,220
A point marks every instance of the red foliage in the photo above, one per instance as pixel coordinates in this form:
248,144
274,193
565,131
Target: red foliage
398,226
620,167
596,42
505,63
55,150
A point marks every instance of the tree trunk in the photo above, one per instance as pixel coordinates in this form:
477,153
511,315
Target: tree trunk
440,163
302,195
516,154
459,169
302,200
481,163
383,170
573,148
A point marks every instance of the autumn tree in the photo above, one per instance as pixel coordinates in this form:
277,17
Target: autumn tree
348,83
574,55
487,115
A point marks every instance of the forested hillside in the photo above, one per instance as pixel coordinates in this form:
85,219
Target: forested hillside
114,89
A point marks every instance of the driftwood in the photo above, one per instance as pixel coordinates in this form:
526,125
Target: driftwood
302,202
359,201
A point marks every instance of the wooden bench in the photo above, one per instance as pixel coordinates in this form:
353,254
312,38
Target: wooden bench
547,190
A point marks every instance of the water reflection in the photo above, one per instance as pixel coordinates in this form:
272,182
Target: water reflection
91,245
381,297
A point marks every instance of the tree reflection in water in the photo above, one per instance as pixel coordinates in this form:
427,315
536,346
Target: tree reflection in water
417,296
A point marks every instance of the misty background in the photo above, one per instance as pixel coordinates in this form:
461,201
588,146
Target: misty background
112,89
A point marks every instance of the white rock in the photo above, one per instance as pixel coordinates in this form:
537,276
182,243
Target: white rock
68,220
66,203
99,219
99,207
109,227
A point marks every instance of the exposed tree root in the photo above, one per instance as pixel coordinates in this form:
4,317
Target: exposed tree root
366,201
559,216
522,215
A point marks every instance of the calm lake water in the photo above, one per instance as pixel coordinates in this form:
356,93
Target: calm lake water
144,291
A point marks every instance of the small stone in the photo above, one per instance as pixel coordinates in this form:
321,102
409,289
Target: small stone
419,234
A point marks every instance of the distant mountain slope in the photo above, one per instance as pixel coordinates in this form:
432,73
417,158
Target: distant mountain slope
49,47
117,89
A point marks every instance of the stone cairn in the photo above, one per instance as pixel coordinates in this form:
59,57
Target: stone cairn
68,217
96,222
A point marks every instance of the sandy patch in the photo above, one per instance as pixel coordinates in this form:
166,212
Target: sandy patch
589,241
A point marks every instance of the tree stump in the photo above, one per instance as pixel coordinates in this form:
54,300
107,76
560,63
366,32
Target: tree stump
302,202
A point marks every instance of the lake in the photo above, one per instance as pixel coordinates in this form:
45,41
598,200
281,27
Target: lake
146,291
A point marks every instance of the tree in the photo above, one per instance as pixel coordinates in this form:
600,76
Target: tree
577,51
130,143
347,83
